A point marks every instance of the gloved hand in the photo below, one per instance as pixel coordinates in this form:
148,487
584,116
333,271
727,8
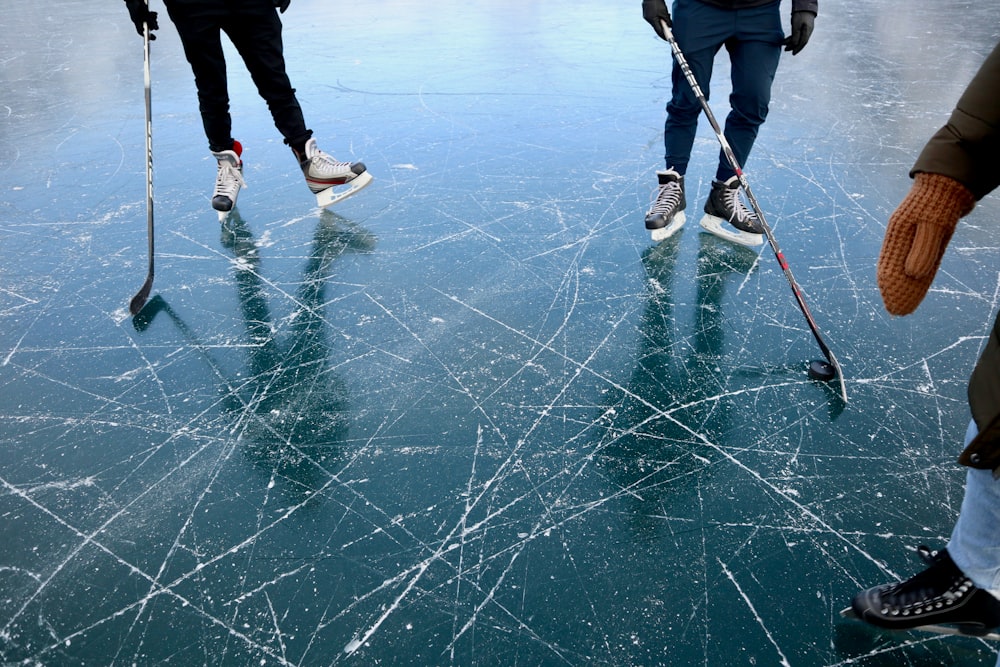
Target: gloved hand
282,5
916,238
139,12
802,28
654,11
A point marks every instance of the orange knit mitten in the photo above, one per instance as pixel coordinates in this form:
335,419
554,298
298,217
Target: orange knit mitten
916,238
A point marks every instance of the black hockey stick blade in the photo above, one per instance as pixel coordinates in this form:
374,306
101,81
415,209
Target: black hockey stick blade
139,300
935,629
840,373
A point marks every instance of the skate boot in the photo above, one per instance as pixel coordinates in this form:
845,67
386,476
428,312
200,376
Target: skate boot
228,180
728,218
940,595
324,175
666,213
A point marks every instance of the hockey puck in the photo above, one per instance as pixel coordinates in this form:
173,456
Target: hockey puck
820,370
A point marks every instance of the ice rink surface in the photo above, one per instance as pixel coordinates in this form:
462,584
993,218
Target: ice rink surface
471,415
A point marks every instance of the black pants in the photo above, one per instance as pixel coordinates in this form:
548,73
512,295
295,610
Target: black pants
254,28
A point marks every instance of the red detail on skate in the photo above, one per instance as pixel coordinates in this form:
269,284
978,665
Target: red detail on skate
237,148
781,261
317,186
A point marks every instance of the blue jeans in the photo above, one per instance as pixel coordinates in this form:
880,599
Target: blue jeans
975,539
753,38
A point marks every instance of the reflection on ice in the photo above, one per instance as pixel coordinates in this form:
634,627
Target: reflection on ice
470,415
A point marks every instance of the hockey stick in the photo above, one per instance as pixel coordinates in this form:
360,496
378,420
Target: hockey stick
137,302
731,157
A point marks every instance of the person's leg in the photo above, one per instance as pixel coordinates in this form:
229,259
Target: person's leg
700,31
975,539
255,31
199,31
754,52
961,585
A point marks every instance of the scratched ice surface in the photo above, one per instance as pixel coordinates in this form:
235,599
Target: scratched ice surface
472,415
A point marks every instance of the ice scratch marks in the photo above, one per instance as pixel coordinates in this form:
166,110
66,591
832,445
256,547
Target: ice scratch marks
484,493
756,615
21,300
26,301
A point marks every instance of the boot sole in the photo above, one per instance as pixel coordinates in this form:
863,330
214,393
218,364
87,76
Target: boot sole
722,229
332,195
668,230
961,630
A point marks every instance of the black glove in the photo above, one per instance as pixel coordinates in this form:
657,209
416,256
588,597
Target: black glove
802,29
655,11
282,5
139,12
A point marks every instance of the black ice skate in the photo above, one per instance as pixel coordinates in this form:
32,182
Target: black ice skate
728,218
331,181
228,180
939,599
666,213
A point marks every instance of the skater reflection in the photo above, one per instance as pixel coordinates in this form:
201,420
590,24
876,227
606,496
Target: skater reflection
290,409
651,448
292,406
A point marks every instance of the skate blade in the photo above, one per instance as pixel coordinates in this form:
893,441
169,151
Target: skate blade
935,629
332,195
664,233
722,229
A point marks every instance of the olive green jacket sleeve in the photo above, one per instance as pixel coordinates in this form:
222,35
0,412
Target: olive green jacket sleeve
968,147
984,401
968,150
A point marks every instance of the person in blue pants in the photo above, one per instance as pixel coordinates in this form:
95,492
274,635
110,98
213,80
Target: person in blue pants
751,31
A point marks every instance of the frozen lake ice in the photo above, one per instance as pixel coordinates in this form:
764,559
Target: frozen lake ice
471,415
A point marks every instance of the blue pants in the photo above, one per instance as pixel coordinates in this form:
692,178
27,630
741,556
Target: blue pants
753,38
255,30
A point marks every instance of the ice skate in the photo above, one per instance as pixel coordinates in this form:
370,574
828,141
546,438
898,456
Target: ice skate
331,181
939,599
666,213
728,218
228,180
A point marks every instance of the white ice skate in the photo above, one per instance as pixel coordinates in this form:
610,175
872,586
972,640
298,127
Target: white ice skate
228,180
331,181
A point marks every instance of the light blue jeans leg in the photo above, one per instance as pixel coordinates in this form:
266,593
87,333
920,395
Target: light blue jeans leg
975,540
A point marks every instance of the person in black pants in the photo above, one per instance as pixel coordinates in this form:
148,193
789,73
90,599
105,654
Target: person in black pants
254,28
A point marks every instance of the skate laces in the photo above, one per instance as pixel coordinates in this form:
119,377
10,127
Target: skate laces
229,178
666,197
738,211
323,165
940,585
